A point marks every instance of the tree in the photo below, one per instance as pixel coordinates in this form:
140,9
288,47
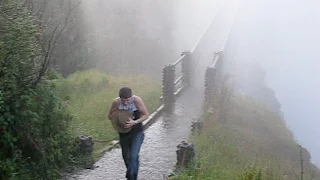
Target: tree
34,142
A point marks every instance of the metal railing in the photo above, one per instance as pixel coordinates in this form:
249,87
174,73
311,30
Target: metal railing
177,77
173,82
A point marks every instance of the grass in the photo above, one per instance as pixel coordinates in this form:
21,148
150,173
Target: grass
89,94
241,139
219,158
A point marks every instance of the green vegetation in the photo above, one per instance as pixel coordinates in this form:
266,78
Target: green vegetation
88,96
34,143
41,113
242,139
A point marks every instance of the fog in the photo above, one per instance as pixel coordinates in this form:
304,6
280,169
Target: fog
140,38
283,37
279,35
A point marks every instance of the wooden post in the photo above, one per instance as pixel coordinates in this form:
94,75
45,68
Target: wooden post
209,85
186,68
168,78
219,65
185,154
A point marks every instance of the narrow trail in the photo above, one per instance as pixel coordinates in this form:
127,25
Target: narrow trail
157,155
158,152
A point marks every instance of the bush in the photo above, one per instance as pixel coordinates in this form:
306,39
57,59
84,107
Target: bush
34,143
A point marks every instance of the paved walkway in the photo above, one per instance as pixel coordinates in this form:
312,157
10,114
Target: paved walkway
158,152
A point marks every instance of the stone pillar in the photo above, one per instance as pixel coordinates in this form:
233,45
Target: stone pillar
186,68
185,154
196,126
209,85
168,78
86,144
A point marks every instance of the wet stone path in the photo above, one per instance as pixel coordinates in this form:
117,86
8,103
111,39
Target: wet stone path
158,152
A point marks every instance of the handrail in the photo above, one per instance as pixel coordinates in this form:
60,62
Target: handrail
170,89
179,60
216,58
178,91
153,117
178,80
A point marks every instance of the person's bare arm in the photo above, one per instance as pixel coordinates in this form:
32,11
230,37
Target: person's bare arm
112,109
142,108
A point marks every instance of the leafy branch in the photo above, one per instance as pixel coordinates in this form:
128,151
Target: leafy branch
48,44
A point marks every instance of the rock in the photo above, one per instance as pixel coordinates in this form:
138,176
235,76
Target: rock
185,154
196,125
86,144
90,166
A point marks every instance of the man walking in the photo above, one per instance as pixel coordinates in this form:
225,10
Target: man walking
130,141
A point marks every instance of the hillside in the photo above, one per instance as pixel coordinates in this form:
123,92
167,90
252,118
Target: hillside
244,138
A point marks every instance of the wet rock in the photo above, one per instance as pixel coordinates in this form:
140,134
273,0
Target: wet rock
86,144
90,165
210,110
185,154
196,125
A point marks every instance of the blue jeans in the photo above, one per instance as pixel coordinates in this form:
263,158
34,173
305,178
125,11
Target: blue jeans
130,145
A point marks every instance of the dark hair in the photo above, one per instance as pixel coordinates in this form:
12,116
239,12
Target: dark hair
125,93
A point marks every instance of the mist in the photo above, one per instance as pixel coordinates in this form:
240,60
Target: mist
62,64
132,38
283,38
279,36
